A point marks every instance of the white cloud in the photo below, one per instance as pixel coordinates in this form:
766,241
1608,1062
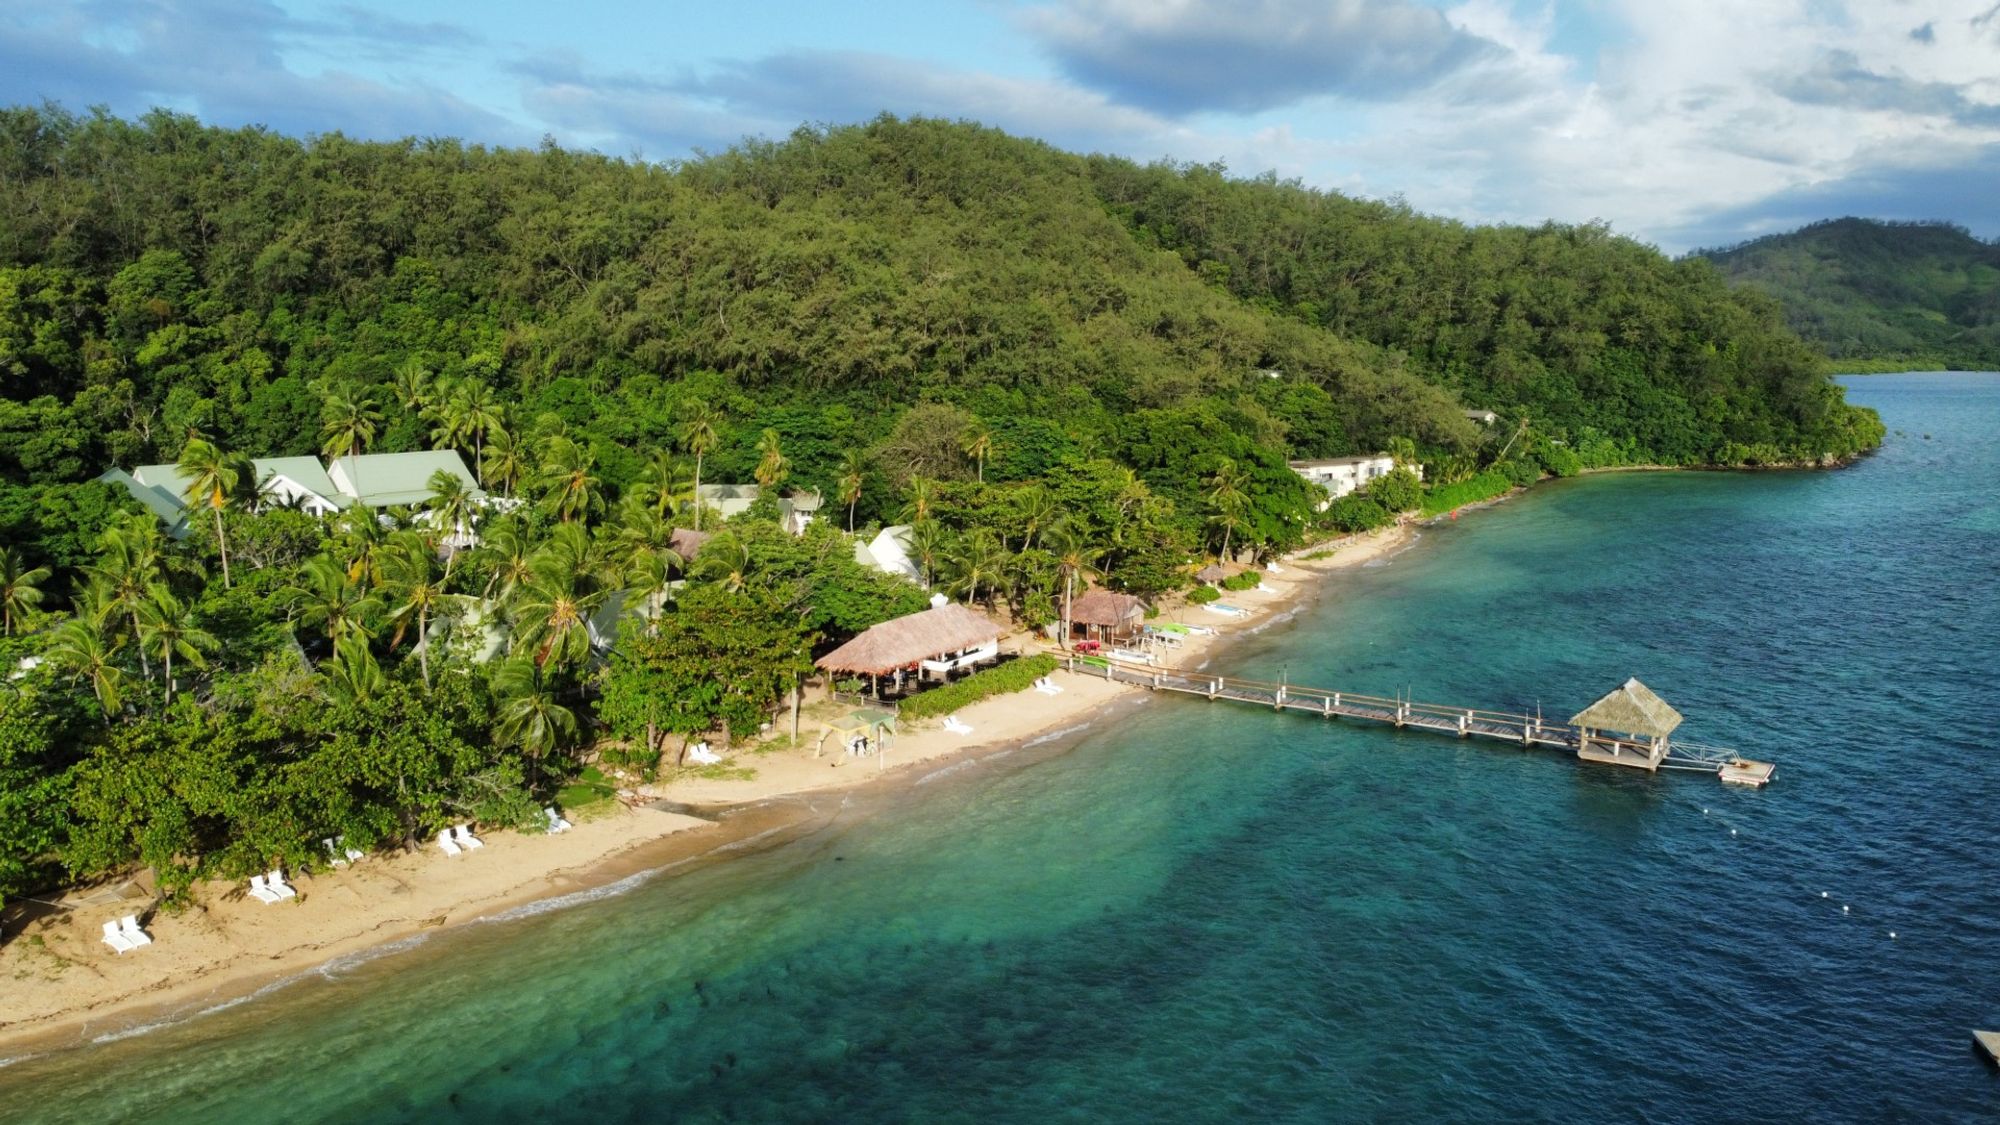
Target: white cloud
1182,56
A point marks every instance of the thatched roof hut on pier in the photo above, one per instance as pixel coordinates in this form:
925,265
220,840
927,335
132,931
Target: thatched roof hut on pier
1633,710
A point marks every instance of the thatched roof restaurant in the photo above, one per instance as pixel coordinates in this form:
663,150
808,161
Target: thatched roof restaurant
906,641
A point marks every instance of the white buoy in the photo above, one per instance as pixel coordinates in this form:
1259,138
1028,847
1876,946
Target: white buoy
1892,935
1732,832
1843,908
1823,894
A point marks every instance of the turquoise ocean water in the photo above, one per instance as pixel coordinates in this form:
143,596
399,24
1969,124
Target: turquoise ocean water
1204,912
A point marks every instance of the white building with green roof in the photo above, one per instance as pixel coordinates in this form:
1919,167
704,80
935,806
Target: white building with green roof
372,480
390,480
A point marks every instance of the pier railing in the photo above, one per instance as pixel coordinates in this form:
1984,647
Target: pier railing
1463,722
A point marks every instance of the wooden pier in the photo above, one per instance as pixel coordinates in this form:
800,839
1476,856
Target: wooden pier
1586,742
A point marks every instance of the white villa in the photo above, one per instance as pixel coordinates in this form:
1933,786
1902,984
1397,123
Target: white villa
372,480
795,512
1342,475
889,553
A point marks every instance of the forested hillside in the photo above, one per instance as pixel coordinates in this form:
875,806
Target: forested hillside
1927,294
162,277
1058,371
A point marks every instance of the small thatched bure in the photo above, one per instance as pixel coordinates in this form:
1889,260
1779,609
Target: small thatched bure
907,640
686,542
1108,609
1630,708
1211,573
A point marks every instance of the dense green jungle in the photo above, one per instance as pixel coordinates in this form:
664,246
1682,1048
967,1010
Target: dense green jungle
1880,296
1057,370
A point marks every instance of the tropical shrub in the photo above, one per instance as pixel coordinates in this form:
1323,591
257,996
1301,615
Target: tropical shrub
1013,676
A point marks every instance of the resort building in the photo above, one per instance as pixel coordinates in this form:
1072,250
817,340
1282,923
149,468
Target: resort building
1342,475
391,480
795,512
889,552
727,499
1483,417
1107,616
920,646
372,480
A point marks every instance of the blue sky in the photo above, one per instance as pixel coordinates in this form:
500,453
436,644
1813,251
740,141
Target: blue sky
1679,122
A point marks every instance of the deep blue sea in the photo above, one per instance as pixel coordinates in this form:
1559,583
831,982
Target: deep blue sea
1206,912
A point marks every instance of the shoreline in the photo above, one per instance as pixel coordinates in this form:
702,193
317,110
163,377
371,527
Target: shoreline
66,989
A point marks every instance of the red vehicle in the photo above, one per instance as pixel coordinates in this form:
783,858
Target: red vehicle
1089,646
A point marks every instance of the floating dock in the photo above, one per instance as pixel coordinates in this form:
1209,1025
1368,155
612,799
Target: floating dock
1989,1042
1640,722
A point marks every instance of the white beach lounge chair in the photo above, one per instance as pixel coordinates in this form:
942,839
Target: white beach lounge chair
953,724
116,939
444,842
466,839
276,881
262,893
556,821
129,926
333,852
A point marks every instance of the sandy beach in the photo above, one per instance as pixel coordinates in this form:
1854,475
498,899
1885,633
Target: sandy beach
63,986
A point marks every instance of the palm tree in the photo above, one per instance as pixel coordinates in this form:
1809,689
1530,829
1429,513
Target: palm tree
1075,558
552,609
411,384
20,588
772,464
698,436
347,425
665,483
353,676
81,649
923,494
508,551
501,464
1038,509
451,426
529,715
569,480
1402,451
725,561
166,625
646,549
977,563
1225,495
480,412
361,543
977,442
416,591
853,469
451,506
328,596
928,544
213,478
126,569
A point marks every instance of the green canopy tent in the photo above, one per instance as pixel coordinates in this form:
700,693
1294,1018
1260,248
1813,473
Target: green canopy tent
875,726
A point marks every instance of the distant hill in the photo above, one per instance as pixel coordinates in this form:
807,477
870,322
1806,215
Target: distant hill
1869,290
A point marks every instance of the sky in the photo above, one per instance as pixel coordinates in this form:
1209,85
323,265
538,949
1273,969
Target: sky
1683,123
